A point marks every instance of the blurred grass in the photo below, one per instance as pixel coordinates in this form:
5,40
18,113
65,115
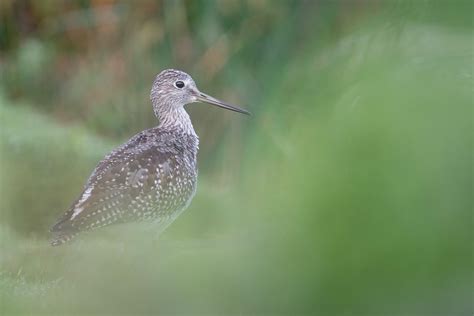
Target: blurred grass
372,195
348,193
39,158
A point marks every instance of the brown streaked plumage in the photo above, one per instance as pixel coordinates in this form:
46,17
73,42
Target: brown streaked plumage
153,176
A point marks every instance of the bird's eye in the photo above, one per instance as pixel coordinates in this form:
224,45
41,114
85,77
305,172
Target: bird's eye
179,84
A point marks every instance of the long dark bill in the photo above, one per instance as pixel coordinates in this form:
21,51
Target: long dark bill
208,99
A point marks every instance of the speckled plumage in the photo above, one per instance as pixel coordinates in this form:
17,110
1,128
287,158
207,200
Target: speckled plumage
153,176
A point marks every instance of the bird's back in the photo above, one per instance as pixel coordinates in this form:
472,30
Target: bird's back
151,177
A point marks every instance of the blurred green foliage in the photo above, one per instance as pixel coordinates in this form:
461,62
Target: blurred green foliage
349,192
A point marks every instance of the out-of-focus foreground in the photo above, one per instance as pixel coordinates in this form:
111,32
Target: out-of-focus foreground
349,192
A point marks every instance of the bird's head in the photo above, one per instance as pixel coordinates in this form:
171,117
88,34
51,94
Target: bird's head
174,89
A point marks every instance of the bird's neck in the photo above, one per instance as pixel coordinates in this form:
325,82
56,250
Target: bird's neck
175,118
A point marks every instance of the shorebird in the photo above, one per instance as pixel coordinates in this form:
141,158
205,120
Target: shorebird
153,176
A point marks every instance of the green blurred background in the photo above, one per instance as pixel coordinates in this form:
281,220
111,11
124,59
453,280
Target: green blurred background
349,191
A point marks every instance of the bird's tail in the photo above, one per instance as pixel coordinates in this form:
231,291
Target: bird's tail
62,232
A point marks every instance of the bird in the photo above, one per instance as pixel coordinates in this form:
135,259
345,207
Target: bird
150,178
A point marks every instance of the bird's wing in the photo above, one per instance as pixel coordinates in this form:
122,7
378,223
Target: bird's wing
122,187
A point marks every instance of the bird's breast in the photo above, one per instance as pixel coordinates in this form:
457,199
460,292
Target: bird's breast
175,179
